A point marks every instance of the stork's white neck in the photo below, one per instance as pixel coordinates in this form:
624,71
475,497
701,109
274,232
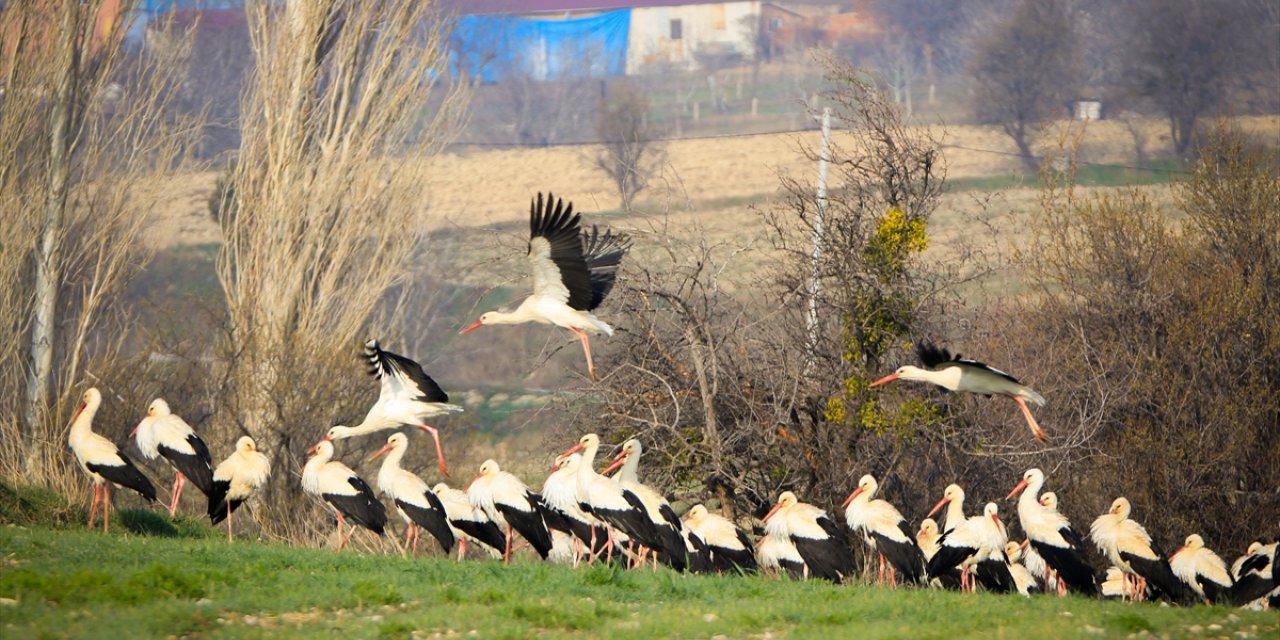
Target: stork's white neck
83,423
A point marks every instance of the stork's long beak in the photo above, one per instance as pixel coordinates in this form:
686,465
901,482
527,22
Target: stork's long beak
576,448
381,452
471,327
617,462
1025,542
941,502
79,410
131,433
313,448
885,380
851,497
1018,489
771,512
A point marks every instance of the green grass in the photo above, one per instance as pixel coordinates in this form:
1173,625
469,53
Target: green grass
1098,175
77,583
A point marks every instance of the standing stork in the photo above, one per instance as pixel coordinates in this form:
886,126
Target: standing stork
728,547
814,535
236,479
666,524
955,373
1052,536
346,493
1256,577
606,500
408,396
971,545
105,463
884,530
1127,545
163,434
416,504
468,522
572,272
509,503
560,493
1204,571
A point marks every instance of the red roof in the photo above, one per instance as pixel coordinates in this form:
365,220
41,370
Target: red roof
471,7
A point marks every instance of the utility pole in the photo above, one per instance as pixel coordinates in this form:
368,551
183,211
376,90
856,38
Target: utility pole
814,285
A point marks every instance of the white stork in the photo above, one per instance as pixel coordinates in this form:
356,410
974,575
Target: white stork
1256,577
955,373
973,543
344,491
606,499
408,396
105,463
416,504
560,494
572,272
728,547
1023,580
1052,536
927,538
953,499
814,535
775,554
236,479
163,434
884,530
509,503
1204,571
1128,546
666,524
468,522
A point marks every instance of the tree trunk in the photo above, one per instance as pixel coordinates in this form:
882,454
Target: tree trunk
930,73
710,426
48,267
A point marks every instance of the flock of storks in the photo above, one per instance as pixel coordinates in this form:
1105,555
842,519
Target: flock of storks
584,516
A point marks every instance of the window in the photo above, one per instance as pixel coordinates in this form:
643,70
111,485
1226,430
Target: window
677,29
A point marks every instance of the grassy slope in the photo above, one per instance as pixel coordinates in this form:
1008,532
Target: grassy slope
77,583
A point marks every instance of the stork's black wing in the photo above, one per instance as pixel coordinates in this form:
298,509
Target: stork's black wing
935,357
556,253
399,373
603,256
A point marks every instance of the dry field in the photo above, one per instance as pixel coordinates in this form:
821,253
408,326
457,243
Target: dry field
477,187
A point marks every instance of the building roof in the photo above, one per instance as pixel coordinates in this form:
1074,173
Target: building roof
472,7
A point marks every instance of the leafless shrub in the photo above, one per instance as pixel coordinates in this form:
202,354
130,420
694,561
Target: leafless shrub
87,134
629,154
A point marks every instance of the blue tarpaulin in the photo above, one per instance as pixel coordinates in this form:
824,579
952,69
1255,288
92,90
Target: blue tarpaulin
495,47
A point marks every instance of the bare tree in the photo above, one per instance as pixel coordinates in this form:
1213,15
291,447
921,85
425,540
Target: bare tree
1186,56
930,29
629,154
1024,71
328,192
895,60
85,130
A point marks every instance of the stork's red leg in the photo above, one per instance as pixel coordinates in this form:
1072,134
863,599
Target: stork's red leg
1031,420
462,548
93,509
179,482
106,508
586,348
435,435
229,520
342,542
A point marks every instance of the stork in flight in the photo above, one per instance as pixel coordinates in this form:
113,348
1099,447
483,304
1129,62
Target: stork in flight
408,396
955,373
572,270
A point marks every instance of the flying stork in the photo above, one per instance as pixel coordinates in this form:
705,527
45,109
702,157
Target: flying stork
955,373
572,272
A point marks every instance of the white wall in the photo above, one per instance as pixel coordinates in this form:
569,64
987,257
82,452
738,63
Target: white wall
713,24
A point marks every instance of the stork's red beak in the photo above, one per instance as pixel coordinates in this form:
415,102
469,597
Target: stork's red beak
313,448
617,462
771,512
1025,542
576,448
381,452
79,410
885,380
131,433
851,497
995,518
1018,489
935,508
471,327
